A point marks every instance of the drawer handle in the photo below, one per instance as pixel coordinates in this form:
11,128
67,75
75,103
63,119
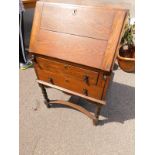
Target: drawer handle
86,79
104,77
50,80
85,92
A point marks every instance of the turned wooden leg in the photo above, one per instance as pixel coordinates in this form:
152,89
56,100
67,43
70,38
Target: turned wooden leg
46,100
97,113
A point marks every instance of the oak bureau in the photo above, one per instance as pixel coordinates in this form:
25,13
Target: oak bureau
74,46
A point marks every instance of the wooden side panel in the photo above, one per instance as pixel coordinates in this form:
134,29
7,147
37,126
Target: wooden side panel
36,24
80,50
106,84
113,42
78,20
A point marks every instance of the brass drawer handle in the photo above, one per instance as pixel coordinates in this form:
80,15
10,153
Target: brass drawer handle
86,79
50,80
104,77
85,92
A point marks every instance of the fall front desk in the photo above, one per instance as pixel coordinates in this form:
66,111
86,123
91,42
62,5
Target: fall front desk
74,46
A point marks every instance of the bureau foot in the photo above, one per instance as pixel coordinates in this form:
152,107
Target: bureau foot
97,113
46,99
47,104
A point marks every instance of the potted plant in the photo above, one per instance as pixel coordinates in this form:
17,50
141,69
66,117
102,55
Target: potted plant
126,55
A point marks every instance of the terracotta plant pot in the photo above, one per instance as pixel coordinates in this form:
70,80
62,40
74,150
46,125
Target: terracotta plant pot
126,59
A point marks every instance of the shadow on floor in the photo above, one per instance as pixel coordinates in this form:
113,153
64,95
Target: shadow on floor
120,104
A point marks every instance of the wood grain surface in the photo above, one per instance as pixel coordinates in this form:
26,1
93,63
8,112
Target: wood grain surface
80,50
62,68
70,82
114,40
78,20
86,35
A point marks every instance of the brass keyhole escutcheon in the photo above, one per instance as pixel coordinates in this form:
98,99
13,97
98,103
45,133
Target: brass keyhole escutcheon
74,12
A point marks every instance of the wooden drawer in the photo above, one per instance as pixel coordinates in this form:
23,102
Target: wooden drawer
71,83
89,77
78,20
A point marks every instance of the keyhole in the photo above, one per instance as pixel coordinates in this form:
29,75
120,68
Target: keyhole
74,12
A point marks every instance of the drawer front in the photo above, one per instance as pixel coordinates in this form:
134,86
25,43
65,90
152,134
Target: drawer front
83,75
93,22
70,83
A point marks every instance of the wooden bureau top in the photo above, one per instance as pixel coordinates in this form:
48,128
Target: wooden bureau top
84,34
